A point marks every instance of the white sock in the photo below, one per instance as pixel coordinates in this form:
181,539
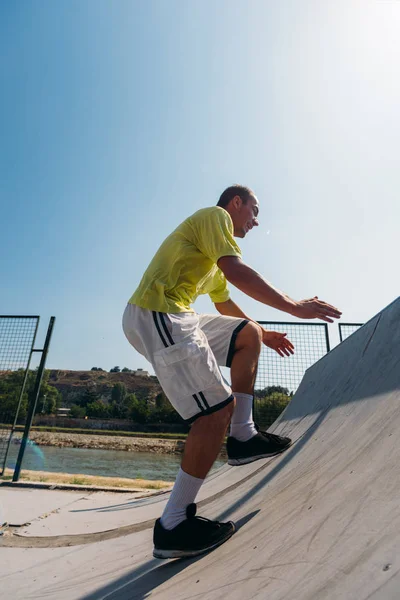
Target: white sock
242,424
183,493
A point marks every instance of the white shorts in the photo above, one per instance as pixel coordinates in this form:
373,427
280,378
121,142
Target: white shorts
185,350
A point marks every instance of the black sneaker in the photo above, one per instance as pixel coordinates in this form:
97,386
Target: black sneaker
262,445
193,536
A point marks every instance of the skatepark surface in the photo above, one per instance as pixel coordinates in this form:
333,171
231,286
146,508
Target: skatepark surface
321,521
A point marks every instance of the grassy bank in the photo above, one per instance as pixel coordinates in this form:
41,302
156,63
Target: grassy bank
86,480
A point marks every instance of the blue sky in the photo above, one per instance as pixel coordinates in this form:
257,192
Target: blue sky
119,119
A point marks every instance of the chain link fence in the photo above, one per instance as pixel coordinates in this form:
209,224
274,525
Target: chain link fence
278,378
347,329
17,338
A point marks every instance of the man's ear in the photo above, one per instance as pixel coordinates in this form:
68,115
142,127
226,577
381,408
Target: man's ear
237,202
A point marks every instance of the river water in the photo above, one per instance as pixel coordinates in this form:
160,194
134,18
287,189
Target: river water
107,463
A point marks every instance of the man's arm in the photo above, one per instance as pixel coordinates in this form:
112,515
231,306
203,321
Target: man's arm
231,309
273,339
254,285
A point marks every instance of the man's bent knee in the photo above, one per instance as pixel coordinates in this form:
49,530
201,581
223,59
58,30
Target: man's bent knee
219,417
229,408
250,335
224,414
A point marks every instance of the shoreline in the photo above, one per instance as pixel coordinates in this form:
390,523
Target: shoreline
108,442
80,480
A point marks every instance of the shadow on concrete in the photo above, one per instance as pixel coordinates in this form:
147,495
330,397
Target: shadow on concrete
141,581
135,503
123,506
289,455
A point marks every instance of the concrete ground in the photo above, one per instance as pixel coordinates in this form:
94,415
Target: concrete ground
321,521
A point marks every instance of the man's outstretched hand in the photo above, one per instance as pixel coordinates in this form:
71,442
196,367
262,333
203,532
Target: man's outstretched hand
278,342
316,309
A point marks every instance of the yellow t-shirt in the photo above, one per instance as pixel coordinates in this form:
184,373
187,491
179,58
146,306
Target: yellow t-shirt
185,265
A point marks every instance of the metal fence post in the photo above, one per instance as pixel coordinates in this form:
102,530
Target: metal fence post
34,399
328,345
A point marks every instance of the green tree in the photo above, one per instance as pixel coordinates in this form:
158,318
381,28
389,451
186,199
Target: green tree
49,397
138,411
88,396
10,388
130,402
115,370
163,412
126,370
77,412
118,393
97,410
161,400
268,409
271,389
48,405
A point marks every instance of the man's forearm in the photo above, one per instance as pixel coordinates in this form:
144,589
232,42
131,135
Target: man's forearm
254,285
231,309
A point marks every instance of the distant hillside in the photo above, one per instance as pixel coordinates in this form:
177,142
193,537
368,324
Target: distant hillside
72,384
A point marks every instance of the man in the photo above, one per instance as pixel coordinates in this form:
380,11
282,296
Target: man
186,349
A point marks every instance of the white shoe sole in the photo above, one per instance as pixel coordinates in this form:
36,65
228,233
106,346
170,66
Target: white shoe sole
236,462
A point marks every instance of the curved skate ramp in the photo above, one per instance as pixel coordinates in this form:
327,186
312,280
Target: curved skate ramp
322,521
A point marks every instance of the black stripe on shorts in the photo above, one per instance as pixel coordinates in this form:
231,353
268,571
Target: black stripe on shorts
204,400
167,333
198,403
161,333
210,410
231,350
202,397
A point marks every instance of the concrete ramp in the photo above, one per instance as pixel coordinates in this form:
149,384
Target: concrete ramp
322,521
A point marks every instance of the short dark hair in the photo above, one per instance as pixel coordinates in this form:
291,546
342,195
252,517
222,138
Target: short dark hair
234,190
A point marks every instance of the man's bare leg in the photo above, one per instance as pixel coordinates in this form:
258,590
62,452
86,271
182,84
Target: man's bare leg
204,441
243,375
245,359
202,447
245,443
178,532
